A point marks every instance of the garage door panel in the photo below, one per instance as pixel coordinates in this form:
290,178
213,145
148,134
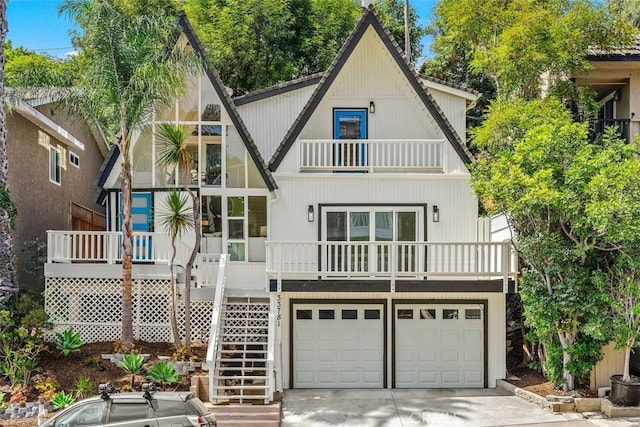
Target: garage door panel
438,345
348,348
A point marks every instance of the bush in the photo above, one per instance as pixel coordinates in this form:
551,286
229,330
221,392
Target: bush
68,341
47,389
164,374
132,364
62,400
84,388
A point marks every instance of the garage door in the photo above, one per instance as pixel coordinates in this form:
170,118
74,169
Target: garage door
438,345
338,345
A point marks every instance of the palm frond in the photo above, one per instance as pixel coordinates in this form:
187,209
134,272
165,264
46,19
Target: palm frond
176,215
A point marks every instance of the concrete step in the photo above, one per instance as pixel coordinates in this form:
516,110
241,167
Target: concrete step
237,415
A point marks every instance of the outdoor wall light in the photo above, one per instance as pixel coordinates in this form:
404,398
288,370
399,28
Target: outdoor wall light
372,107
617,95
436,214
310,214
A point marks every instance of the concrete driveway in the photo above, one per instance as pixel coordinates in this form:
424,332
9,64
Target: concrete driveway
433,407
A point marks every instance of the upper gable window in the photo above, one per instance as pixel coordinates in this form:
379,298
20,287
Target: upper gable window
211,113
55,167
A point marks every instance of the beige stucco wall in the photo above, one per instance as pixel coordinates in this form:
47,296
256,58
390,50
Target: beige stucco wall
611,364
43,205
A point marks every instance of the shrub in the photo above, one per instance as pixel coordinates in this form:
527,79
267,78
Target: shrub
68,341
119,348
93,361
3,404
163,374
84,388
132,364
62,400
47,389
19,395
180,354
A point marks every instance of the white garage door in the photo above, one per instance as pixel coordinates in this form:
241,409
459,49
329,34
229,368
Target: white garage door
338,345
439,345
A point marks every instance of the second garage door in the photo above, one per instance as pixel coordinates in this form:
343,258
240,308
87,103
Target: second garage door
439,345
338,345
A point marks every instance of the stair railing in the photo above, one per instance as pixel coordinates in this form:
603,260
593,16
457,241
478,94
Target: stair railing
216,315
271,339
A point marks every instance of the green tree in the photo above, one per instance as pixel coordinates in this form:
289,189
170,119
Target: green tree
521,42
175,217
571,202
25,68
392,15
172,143
257,43
132,66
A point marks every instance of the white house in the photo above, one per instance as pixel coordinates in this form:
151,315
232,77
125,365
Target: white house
354,259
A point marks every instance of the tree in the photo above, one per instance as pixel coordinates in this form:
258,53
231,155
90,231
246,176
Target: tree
519,43
172,142
25,68
133,66
392,16
176,218
7,207
258,43
571,204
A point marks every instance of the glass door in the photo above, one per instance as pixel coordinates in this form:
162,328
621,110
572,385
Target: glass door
349,124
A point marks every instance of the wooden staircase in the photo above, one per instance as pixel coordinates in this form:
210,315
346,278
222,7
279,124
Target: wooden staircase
241,373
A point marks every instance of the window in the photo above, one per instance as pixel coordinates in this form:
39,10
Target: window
372,314
473,313
427,313
128,411
55,168
349,314
90,414
326,314
74,159
449,314
303,315
404,313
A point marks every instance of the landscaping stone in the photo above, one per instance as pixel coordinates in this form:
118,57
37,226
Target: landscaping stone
560,399
587,404
613,411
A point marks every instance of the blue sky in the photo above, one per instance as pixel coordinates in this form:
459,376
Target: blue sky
35,24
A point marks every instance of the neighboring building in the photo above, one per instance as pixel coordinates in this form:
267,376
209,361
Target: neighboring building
355,258
615,77
53,160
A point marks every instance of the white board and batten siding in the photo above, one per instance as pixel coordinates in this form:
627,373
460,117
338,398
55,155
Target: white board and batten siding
269,119
336,363
452,195
371,74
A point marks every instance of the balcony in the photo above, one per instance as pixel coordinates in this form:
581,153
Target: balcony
391,260
621,125
370,155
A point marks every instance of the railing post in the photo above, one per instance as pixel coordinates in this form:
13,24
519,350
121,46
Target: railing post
394,266
505,267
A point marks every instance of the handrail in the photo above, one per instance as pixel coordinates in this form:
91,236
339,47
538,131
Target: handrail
391,260
271,338
371,155
216,314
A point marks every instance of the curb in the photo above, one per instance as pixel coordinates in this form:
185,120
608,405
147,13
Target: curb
524,394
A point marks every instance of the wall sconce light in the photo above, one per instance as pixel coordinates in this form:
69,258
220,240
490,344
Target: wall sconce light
372,107
617,95
436,214
310,214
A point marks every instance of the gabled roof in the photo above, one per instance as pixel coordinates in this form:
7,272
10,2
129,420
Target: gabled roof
369,19
278,89
227,102
628,53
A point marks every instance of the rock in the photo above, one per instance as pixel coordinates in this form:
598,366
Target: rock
560,399
513,378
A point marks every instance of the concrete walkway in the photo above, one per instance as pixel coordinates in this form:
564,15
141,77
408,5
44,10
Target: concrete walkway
433,407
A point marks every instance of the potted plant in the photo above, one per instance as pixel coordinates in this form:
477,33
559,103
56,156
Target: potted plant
623,290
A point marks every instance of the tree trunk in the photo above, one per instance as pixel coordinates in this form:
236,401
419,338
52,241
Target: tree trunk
197,222
174,300
127,243
7,284
626,376
566,340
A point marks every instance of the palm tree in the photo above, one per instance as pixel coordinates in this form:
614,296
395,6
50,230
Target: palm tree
133,66
176,219
7,208
172,150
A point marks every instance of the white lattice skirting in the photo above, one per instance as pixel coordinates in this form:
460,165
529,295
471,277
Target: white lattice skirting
92,306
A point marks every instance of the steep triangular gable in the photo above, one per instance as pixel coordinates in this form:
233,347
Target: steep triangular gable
369,19
227,102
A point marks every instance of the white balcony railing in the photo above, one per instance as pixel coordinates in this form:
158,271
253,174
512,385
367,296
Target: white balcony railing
106,247
371,155
391,260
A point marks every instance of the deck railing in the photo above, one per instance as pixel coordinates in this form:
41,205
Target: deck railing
621,125
370,155
391,260
106,247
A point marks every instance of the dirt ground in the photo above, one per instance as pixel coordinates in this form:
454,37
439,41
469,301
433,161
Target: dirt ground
64,371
